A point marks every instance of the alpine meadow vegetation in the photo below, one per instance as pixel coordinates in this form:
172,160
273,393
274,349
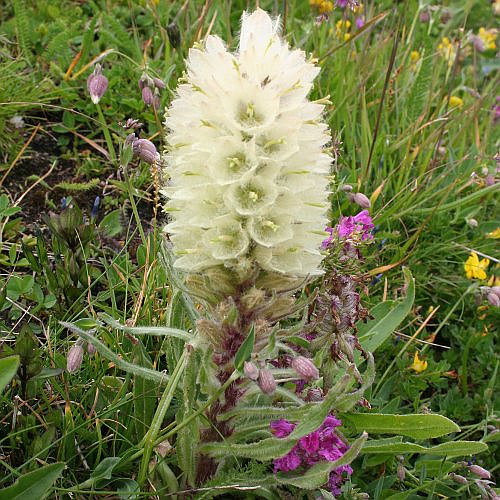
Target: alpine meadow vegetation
249,249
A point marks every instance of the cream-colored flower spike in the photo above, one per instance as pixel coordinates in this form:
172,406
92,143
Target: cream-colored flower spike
246,156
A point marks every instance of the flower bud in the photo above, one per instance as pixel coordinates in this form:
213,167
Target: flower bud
174,35
266,382
314,394
425,16
362,200
97,84
496,290
493,299
401,472
479,471
445,16
159,84
147,96
250,370
477,43
95,207
75,358
346,188
156,101
145,150
472,222
130,139
457,478
305,368
489,180
91,349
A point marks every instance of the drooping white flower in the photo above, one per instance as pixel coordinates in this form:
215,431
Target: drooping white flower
246,156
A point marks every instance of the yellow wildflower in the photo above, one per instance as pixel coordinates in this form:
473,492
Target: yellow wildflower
493,281
447,50
488,37
456,102
419,365
342,28
414,56
325,7
494,235
475,268
315,3
358,8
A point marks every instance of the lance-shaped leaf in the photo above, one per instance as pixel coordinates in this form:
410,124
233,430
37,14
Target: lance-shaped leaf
159,331
34,484
245,350
387,317
450,449
416,426
8,368
264,450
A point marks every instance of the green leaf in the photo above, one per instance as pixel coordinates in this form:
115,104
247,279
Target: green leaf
458,448
47,373
451,449
159,331
33,484
266,449
373,333
105,469
416,426
245,350
111,223
318,474
8,368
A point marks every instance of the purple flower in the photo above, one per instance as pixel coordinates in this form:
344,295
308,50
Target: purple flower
342,4
281,428
97,84
323,444
360,22
287,463
361,223
328,240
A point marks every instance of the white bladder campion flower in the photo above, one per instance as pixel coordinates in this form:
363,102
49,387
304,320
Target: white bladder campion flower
246,156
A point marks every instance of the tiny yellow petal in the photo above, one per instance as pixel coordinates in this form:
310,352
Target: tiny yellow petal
418,364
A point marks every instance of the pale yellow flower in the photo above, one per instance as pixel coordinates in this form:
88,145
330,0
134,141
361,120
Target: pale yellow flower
418,365
474,268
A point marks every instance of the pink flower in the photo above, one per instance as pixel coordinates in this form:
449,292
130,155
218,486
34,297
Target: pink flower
282,428
321,445
361,223
328,240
